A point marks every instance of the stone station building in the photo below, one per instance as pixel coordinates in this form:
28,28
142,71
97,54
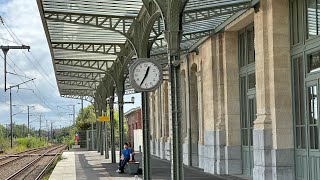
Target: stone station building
250,96
241,79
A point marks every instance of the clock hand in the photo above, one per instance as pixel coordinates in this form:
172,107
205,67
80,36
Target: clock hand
145,76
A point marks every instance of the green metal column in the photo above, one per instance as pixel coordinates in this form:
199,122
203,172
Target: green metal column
173,37
98,131
176,119
101,138
106,146
120,104
113,148
146,137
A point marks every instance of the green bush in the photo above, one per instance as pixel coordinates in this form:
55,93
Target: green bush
22,144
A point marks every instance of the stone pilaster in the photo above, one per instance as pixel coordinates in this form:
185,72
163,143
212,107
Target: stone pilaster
231,104
220,140
186,144
164,154
273,141
209,89
200,102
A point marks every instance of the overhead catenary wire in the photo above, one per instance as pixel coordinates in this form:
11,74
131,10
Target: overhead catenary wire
17,40
40,98
43,100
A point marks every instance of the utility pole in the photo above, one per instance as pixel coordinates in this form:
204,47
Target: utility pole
11,129
74,115
28,121
40,127
11,106
82,116
6,130
51,134
47,130
5,50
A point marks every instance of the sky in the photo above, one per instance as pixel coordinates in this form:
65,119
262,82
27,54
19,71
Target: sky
22,25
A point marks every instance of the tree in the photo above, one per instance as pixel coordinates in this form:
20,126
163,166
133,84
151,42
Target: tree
85,118
84,123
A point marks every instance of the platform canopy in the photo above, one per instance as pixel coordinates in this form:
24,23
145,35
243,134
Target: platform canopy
92,42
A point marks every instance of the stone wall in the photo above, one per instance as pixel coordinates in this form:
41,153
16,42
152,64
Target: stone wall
214,144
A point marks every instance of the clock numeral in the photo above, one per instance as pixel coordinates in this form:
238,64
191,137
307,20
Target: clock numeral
156,74
138,79
136,75
145,65
140,66
154,79
154,70
151,83
146,84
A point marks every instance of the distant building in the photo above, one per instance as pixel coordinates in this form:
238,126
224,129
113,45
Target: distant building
134,124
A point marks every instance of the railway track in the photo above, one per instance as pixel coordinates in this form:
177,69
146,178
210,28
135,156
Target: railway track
13,157
32,165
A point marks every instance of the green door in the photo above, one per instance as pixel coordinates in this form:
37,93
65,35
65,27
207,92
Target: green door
307,136
248,115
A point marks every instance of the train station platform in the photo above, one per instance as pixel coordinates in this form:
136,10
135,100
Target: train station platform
83,165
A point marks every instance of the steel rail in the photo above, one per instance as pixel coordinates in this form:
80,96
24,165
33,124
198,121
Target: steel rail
47,166
32,162
26,151
17,157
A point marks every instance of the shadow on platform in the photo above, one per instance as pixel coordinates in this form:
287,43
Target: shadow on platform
90,165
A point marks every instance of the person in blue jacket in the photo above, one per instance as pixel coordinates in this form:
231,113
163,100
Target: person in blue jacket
125,157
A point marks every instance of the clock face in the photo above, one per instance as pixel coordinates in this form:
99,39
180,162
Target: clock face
146,75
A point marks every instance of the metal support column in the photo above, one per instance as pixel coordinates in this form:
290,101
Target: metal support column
106,149
101,138
98,131
121,133
176,118
146,137
92,138
113,148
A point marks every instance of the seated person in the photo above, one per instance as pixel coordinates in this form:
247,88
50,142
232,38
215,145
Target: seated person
132,152
125,157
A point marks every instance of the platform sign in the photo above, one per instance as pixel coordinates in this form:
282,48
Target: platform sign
76,138
104,118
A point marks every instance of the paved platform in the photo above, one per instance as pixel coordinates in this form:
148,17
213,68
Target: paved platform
90,165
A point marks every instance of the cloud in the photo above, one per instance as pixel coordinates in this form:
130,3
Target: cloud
24,20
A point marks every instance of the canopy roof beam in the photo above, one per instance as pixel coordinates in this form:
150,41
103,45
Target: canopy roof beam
103,48
84,75
86,84
205,13
117,24
91,64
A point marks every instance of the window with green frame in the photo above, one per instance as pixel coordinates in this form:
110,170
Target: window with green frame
296,21
313,17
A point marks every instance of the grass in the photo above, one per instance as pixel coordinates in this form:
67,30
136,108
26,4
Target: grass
21,144
51,168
